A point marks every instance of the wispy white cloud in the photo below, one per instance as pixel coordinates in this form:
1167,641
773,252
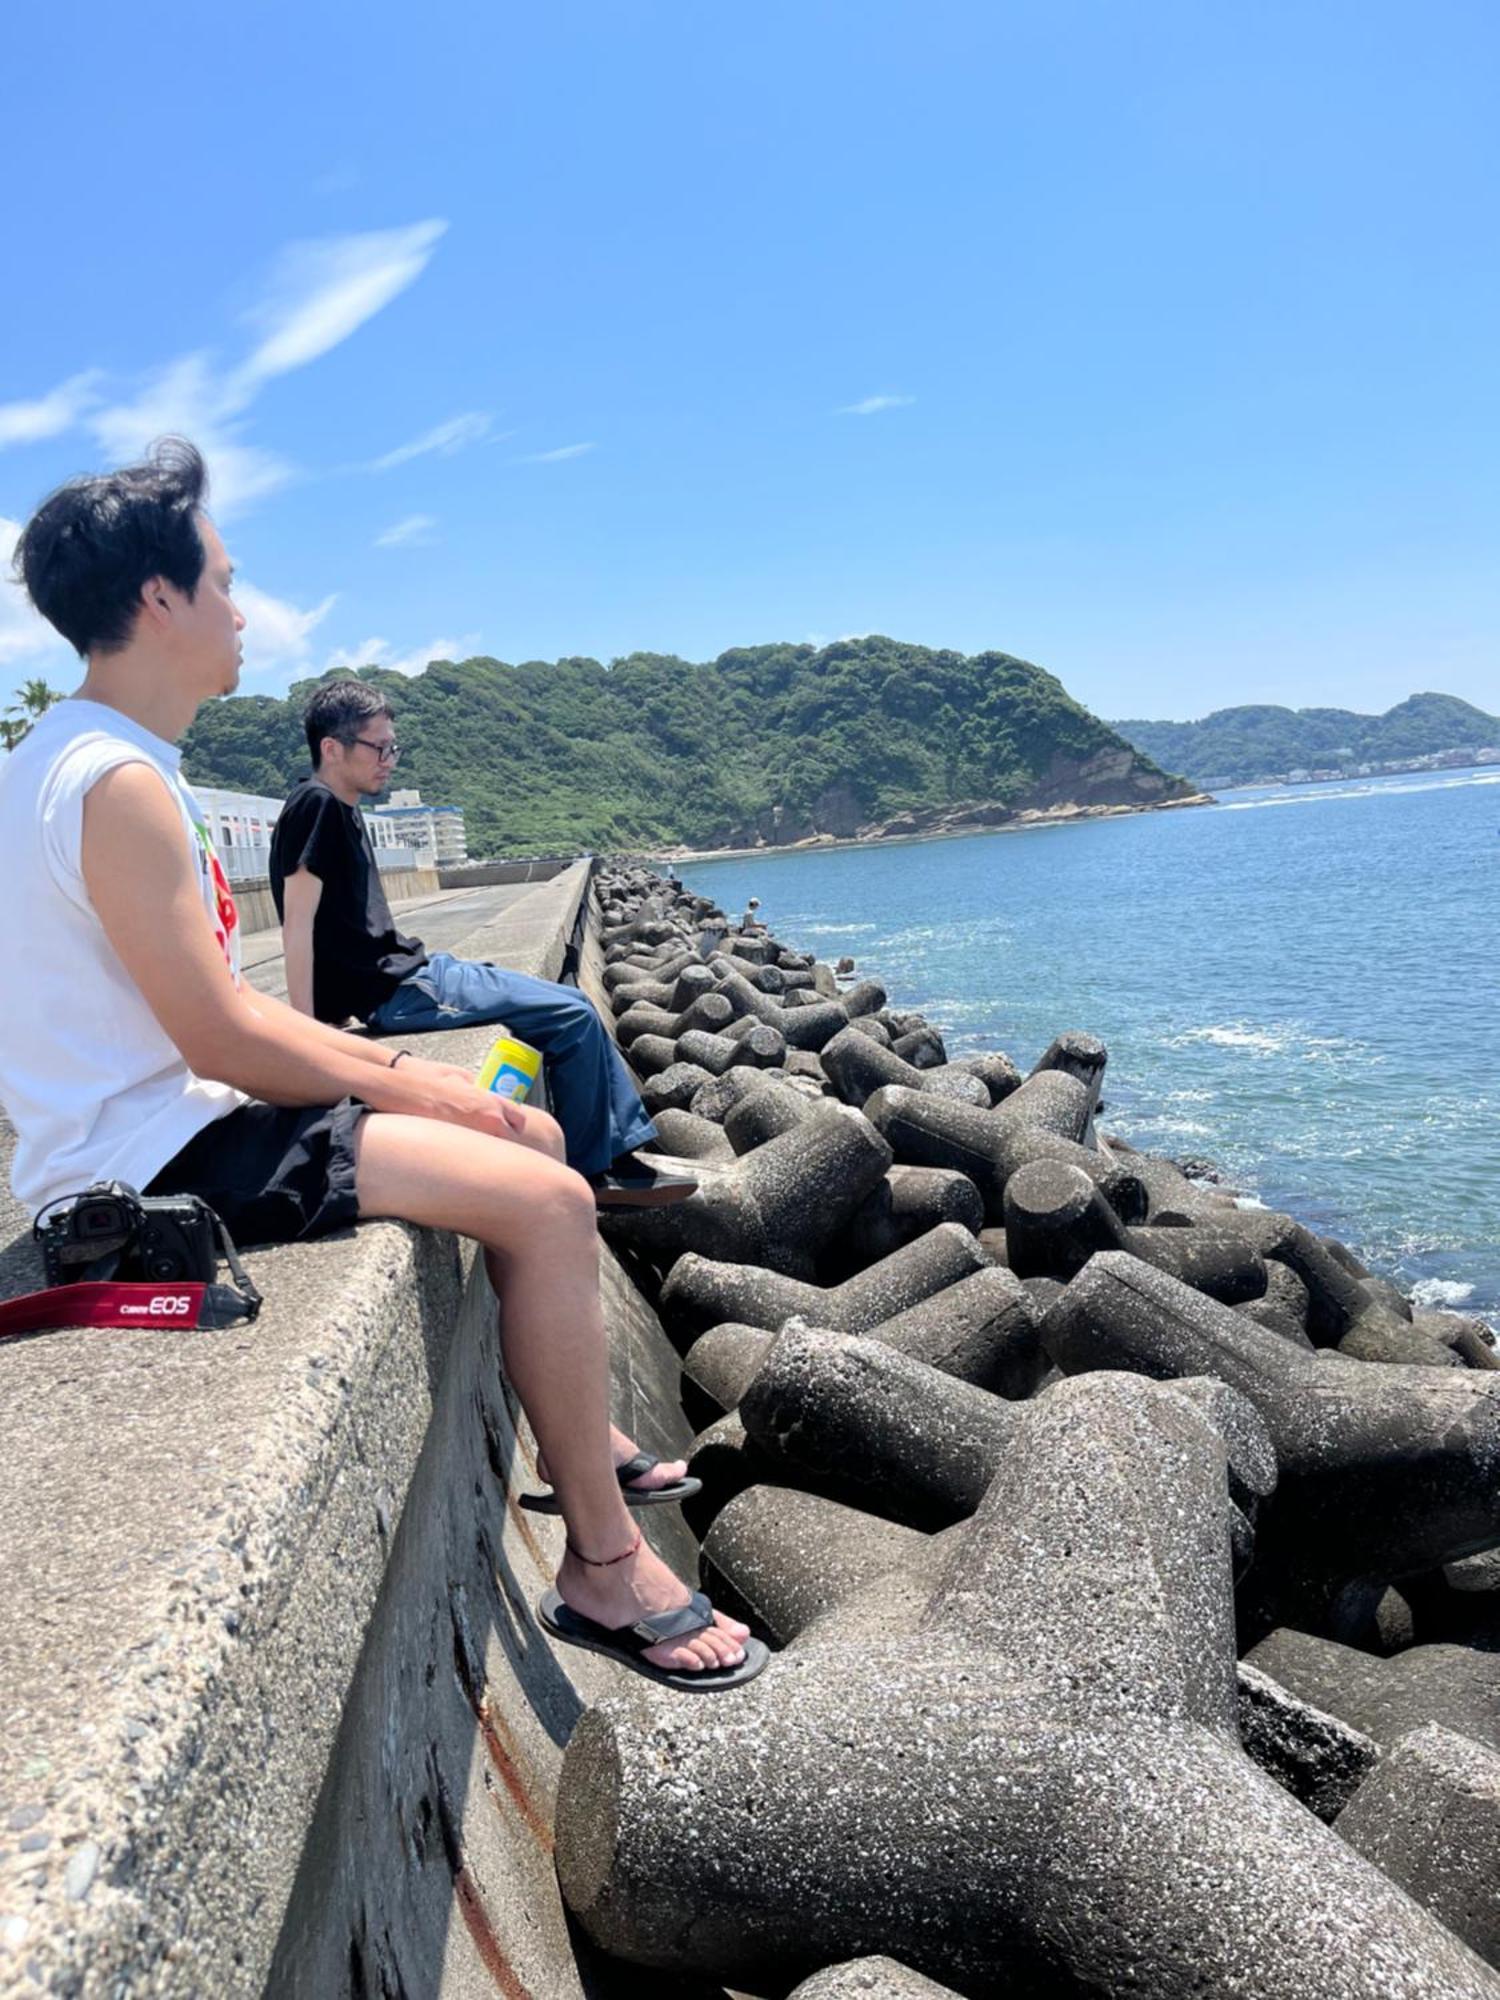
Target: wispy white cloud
49,415
379,653
315,297
415,532
556,457
322,292
278,634
26,639
873,405
189,398
444,439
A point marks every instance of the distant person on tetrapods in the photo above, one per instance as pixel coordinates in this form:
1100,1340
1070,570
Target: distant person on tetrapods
344,955
133,1050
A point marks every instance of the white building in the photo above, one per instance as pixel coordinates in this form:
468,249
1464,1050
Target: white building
241,822
436,832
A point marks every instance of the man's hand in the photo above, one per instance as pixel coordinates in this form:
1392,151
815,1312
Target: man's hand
451,1094
424,1066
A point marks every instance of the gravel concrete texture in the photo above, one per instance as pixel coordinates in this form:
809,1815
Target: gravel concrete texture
717,1099
1315,1756
701,1292
1077,1055
774,1208
686,1137
803,1027
1039,1791
673,994
907,1203
787,1557
982,1329
672,1088
762,1115
1056,1218
989,1146
1284,1306
720,1366
871,1979
1385,1470
726,1463
859,1067
709,1010
660,971
1365,1319
995,1071
1457,1686
429,1858
651,1055
916,1445
762,1048
1430,1819
1169,1191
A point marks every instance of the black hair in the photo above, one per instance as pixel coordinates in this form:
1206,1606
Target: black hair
90,547
341,709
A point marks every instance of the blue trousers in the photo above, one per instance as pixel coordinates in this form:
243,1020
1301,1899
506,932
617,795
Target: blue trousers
588,1085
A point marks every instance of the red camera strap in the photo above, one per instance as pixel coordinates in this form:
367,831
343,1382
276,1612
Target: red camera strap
97,1304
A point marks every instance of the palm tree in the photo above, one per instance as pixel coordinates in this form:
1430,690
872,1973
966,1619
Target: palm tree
33,698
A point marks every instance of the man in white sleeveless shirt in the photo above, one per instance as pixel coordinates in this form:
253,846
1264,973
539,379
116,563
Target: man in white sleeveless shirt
132,1050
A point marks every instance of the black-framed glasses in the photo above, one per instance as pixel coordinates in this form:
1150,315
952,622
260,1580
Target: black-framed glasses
386,752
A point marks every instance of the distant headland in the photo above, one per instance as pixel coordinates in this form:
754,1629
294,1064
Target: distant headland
766,746
1260,745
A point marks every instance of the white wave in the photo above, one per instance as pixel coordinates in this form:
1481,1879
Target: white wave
831,930
1316,794
1232,1035
1440,1292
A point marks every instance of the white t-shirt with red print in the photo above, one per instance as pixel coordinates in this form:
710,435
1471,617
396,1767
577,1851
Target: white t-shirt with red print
94,1086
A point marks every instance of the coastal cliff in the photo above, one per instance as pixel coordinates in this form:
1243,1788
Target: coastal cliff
764,746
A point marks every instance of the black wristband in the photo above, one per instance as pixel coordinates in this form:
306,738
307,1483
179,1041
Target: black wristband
397,1057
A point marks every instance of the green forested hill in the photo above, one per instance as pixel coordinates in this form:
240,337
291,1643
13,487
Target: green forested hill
1239,745
766,742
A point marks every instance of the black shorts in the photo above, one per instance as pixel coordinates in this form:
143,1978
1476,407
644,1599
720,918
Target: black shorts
273,1174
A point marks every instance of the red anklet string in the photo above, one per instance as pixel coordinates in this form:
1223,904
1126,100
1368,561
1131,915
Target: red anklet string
604,1562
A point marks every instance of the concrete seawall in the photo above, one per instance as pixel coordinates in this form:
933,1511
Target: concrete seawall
277,1717
257,906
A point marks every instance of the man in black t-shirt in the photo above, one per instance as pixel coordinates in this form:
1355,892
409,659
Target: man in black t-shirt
344,955
354,958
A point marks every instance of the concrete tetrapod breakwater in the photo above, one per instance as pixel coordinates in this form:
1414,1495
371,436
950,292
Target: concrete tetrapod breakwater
1012,1514
280,1720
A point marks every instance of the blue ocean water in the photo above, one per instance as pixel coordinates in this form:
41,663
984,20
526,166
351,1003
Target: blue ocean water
1301,984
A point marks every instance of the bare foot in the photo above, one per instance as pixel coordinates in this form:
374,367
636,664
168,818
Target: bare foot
639,1588
624,1449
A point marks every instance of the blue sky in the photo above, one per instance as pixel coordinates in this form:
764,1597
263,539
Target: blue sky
1155,343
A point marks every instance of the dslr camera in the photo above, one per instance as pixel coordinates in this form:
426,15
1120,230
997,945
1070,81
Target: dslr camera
109,1232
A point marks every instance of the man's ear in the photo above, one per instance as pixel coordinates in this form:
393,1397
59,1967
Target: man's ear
156,605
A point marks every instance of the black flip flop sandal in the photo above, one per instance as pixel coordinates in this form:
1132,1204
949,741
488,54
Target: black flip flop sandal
634,1496
629,1643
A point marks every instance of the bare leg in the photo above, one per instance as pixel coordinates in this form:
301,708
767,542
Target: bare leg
535,1219
542,1133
